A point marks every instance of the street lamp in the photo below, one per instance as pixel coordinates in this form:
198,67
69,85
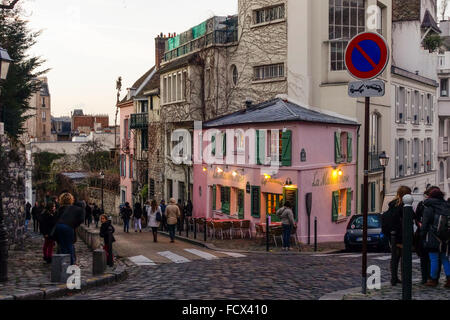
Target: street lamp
102,177
5,61
384,162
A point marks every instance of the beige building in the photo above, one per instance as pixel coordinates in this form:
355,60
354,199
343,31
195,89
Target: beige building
39,124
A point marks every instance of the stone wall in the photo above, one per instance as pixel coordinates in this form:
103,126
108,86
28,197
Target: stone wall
14,194
111,200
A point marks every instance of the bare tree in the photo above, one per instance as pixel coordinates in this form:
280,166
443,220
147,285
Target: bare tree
9,6
444,6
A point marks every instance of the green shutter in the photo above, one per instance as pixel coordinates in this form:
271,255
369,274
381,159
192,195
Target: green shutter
260,147
372,196
349,147
214,196
337,147
349,202
335,213
286,159
213,142
224,144
256,202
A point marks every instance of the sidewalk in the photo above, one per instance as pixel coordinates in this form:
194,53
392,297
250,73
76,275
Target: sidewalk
29,275
255,245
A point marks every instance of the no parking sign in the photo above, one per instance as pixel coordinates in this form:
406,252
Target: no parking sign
366,56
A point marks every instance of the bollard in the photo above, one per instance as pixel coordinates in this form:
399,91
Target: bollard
98,262
315,234
205,230
408,230
195,229
60,263
187,227
267,233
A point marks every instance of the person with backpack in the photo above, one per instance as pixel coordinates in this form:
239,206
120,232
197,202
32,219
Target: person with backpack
287,218
392,220
137,215
164,217
46,224
126,214
96,212
107,233
436,232
154,219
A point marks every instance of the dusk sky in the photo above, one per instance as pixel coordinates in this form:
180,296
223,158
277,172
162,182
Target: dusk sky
89,44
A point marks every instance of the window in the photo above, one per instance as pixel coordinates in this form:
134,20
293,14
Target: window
273,203
428,155
401,157
234,74
225,198
342,204
269,14
444,87
343,147
44,131
43,103
144,106
174,87
400,104
169,189
181,192
282,141
346,20
416,156
256,202
144,139
429,116
240,141
375,133
379,20
44,115
272,71
415,108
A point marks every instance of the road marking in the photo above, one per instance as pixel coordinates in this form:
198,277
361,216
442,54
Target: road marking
234,254
202,254
416,261
351,256
174,257
385,258
142,261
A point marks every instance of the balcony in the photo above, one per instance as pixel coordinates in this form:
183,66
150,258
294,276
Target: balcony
374,162
139,121
444,146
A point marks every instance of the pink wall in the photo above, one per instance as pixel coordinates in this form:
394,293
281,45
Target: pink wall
125,113
318,142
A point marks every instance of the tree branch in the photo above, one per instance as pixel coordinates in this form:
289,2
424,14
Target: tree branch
9,6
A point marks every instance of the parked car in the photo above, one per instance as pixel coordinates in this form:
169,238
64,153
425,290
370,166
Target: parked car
376,239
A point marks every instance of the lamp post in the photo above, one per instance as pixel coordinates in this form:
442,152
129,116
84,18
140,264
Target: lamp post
384,161
102,177
5,62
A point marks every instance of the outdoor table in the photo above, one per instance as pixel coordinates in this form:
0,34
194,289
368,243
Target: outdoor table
272,225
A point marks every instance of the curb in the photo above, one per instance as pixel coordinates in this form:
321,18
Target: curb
214,248
339,295
61,290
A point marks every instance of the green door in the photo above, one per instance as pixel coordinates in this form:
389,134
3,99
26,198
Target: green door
241,197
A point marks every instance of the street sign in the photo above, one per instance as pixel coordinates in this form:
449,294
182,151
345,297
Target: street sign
366,56
372,88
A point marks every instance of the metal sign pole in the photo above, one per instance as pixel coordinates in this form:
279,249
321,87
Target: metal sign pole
366,195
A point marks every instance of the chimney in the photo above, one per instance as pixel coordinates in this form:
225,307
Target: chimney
248,103
160,48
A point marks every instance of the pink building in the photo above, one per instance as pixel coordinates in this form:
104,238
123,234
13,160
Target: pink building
278,151
126,151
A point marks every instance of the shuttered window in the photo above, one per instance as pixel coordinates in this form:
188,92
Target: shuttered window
286,141
349,202
213,143
337,148
214,197
335,206
256,202
260,147
349,148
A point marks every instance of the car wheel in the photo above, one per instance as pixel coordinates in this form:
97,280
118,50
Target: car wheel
348,248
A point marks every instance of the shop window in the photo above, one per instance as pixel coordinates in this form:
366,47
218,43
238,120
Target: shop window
256,202
343,147
225,199
342,204
273,203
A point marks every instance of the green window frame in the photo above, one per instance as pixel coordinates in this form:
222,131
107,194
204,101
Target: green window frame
214,197
337,148
213,142
286,156
335,206
256,202
271,199
225,199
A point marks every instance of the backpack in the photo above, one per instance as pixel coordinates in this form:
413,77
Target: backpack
442,226
158,216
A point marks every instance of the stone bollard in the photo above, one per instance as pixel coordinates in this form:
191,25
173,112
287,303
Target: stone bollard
99,262
60,263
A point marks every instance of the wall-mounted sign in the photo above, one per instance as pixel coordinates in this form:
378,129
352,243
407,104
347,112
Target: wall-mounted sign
265,181
327,180
303,155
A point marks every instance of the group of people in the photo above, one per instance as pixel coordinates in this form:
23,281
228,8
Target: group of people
431,238
156,217
58,219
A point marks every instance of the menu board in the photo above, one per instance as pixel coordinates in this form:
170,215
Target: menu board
291,196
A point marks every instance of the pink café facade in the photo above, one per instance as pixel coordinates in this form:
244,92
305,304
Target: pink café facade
286,152
126,152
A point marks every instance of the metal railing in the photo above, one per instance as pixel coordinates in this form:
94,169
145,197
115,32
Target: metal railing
139,121
215,37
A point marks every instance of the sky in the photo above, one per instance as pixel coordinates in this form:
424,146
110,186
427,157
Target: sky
88,44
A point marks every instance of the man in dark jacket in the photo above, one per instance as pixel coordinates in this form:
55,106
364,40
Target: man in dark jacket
126,214
88,219
35,213
438,249
106,232
96,212
137,214
27,215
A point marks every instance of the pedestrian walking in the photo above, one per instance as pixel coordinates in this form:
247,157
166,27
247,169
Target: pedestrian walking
436,232
107,233
88,219
145,215
181,218
69,218
393,221
164,217
96,213
27,215
126,214
137,215
46,224
154,219
173,214
35,213
287,219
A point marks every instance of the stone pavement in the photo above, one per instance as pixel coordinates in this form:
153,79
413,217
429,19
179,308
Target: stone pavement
257,276
29,275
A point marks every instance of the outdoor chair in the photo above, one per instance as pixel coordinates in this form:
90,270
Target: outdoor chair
227,229
236,228
217,229
245,228
276,232
259,231
211,229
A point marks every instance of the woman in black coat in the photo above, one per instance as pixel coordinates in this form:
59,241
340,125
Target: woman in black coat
107,233
137,215
47,222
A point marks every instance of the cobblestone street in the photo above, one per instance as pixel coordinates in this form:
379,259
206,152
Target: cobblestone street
256,277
